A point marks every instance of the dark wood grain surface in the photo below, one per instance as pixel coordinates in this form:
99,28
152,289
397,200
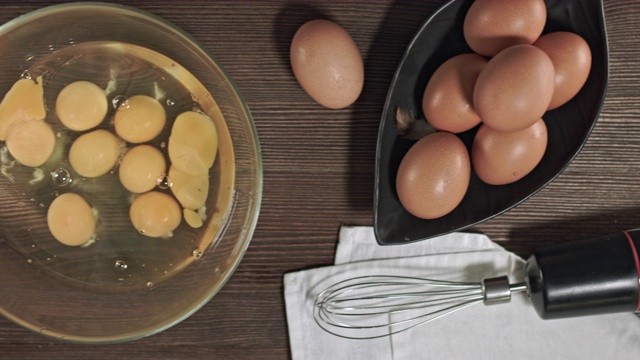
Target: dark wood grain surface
319,165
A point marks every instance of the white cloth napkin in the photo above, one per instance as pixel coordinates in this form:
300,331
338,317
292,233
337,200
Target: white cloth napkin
504,331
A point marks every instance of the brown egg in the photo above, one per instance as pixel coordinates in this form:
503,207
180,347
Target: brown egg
434,175
448,98
500,158
571,58
327,63
491,26
515,88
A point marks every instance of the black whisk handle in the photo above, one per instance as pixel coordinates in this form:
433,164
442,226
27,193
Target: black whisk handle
599,275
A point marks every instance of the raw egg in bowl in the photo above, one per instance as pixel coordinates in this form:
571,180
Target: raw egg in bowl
130,173
498,172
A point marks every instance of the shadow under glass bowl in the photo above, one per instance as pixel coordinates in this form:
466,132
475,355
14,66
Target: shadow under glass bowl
569,126
66,292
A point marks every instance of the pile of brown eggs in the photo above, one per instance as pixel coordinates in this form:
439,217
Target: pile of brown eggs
514,75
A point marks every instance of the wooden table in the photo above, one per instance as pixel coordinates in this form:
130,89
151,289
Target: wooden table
319,165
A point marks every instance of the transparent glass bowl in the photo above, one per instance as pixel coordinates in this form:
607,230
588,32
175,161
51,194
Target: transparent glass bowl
29,296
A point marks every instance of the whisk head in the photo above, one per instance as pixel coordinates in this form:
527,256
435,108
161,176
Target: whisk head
369,307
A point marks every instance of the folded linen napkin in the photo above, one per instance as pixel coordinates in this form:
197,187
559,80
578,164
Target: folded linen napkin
503,331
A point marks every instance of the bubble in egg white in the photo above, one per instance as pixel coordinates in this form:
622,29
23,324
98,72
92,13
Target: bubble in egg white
31,142
155,214
81,105
95,153
193,143
191,190
141,167
140,118
71,219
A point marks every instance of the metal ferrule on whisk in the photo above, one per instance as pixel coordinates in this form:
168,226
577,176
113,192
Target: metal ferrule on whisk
497,290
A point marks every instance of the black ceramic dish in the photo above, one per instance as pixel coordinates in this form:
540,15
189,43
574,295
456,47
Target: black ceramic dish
569,126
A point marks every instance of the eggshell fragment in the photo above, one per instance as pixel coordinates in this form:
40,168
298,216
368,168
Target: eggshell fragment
31,142
515,88
94,154
139,119
500,158
433,176
491,26
81,105
447,102
193,143
141,167
24,101
327,63
71,219
155,214
571,58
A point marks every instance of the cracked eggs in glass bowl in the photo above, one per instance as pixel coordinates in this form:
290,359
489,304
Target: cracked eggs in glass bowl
130,173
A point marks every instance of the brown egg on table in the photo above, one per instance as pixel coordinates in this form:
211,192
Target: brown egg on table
95,153
81,105
327,63
25,100
447,102
433,176
193,143
491,26
571,58
155,214
141,168
500,158
138,119
30,142
515,88
71,219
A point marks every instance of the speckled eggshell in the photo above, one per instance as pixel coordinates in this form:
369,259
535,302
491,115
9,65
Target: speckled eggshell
571,58
491,26
433,176
501,158
447,102
327,63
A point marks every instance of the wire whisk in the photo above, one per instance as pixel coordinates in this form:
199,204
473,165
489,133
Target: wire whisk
594,276
375,306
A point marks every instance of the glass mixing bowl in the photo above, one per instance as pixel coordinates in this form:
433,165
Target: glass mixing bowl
123,286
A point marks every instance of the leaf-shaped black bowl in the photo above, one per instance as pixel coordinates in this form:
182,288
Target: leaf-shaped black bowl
569,126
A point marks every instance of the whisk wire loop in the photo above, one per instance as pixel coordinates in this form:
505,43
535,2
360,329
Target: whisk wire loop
378,306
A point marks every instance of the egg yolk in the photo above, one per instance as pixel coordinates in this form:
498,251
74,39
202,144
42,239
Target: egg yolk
31,142
141,167
95,153
193,143
140,118
81,105
71,220
155,214
192,218
191,190
25,100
